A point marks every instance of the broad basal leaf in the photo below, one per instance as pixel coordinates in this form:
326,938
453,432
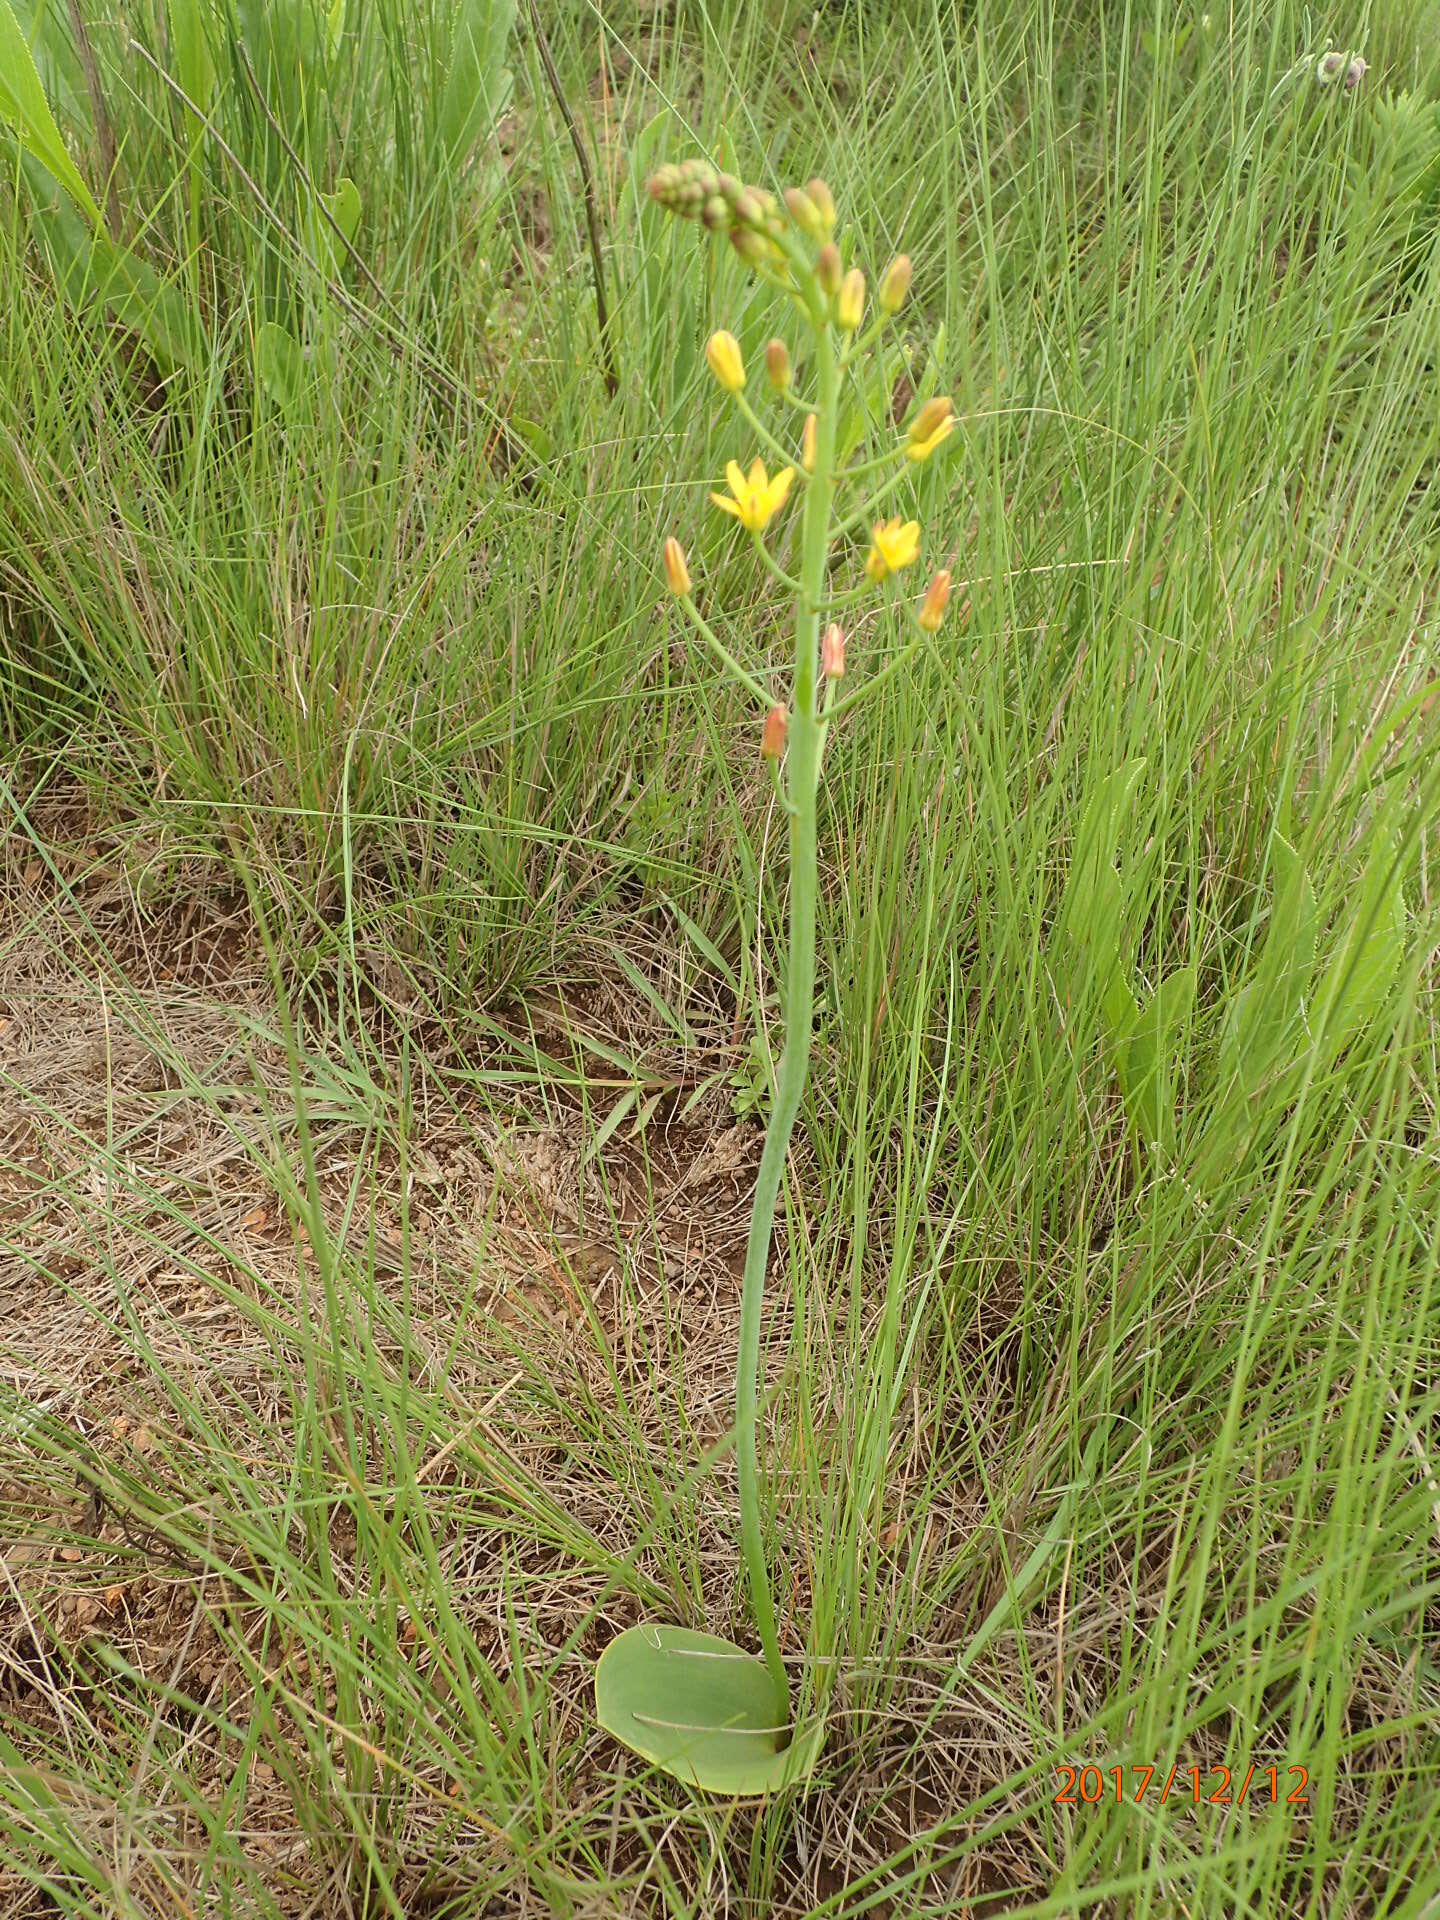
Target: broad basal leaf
25,110
703,1710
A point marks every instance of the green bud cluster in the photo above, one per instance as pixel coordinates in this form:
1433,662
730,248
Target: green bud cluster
749,217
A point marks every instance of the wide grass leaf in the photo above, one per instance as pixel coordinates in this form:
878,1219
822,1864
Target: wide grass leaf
1157,1036
190,48
1367,963
282,370
702,1709
1094,903
26,111
477,83
88,265
1261,1022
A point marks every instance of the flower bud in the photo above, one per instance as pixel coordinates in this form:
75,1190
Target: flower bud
777,364
677,573
684,189
827,268
823,201
1355,73
751,246
772,740
851,308
722,352
1329,68
937,599
896,284
809,439
804,212
933,414
716,213
832,652
930,426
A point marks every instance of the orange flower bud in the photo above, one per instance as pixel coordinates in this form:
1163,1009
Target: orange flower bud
808,441
822,200
828,268
777,364
896,284
832,652
851,309
937,598
772,740
677,574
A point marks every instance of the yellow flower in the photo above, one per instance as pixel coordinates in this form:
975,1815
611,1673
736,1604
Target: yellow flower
722,351
677,574
934,423
850,310
893,546
754,498
896,284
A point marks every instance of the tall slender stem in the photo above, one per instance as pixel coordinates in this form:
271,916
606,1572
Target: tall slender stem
806,734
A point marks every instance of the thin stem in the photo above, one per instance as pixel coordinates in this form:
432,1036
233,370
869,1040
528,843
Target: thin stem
778,782
862,342
861,514
766,438
877,680
587,188
804,772
786,579
724,655
894,452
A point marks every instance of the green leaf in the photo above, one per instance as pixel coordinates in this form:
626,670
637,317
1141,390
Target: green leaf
52,47
533,437
190,48
283,372
477,83
24,108
1094,910
701,1709
608,1125
284,41
88,266
1260,1028
334,27
1367,963
344,207
1157,1035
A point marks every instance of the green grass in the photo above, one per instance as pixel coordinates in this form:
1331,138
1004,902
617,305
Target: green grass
1073,1457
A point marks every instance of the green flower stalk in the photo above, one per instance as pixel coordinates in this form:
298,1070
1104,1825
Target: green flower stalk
694,1704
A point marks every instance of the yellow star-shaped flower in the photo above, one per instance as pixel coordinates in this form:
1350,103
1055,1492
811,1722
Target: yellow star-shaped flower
754,498
893,546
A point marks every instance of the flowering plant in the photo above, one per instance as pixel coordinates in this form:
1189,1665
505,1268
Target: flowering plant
692,1703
